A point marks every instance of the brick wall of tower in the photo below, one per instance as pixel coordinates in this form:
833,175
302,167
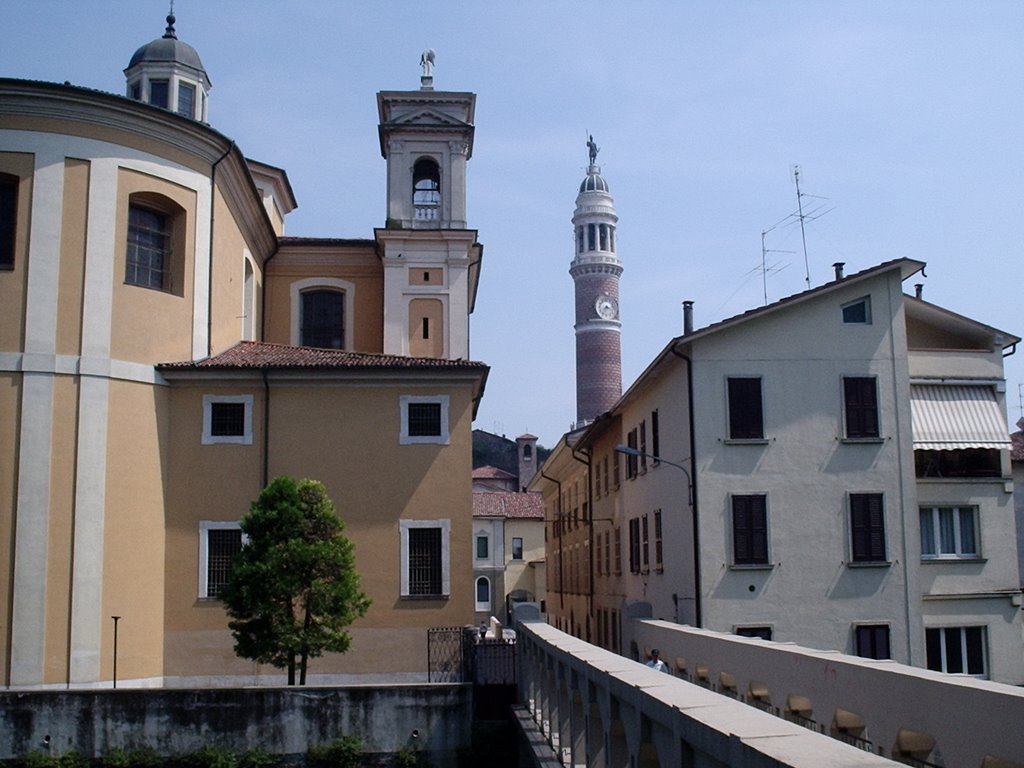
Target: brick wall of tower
588,288
598,373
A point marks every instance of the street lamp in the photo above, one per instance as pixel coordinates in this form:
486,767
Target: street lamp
116,619
630,451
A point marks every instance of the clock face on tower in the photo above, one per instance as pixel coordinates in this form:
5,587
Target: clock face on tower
607,308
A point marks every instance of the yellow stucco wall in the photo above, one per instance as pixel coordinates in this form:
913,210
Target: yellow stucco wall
227,278
72,257
10,417
347,437
135,307
12,283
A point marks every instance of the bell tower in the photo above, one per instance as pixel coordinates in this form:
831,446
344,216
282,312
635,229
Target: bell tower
431,260
595,270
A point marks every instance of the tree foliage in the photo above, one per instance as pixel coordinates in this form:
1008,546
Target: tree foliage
293,588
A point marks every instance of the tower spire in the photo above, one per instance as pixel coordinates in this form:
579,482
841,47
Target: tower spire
595,270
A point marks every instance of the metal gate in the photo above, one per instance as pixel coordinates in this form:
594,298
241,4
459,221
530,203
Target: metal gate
446,655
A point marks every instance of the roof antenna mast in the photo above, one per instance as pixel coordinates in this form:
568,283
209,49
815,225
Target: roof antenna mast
800,213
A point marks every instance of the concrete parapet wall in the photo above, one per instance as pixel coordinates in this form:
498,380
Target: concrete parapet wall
596,707
969,718
282,720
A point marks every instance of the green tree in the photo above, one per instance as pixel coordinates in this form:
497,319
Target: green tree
293,588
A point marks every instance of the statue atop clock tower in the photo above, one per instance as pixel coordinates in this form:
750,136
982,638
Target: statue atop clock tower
595,270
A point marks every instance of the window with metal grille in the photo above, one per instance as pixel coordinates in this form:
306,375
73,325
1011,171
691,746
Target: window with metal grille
148,254
227,419
8,219
872,641
222,544
860,401
425,561
750,529
746,414
323,319
957,650
867,527
424,419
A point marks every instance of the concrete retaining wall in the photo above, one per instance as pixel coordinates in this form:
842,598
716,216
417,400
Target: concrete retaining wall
283,720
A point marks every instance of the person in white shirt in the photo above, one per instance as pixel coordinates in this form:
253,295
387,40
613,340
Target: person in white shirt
656,662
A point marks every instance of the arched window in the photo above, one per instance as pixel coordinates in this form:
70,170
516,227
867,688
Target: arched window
426,189
591,237
323,319
527,452
155,243
483,594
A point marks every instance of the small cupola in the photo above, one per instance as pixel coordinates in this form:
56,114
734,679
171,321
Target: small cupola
168,73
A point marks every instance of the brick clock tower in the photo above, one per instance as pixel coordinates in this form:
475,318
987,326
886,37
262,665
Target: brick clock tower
595,271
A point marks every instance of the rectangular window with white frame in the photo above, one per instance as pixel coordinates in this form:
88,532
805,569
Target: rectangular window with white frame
424,419
956,650
219,542
227,419
949,533
425,559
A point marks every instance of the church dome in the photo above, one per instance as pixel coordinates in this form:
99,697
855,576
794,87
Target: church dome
594,182
168,50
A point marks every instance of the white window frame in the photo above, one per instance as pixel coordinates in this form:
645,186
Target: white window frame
405,438
330,283
957,553
404,526
210,439
476,546
479,605
962,631
205,526
866,300
512,552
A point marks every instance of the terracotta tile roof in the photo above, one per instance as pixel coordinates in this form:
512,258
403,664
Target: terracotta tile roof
253,354
528,506
489,473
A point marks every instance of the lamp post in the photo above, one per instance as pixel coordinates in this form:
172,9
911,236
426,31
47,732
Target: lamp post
630,451
116,619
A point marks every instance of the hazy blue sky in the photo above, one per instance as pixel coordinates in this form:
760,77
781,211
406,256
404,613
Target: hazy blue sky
907,116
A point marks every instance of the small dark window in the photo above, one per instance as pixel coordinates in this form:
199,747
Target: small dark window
860,399
655,438
765,633
750,529
222,544
323,319
158,93
746,416
517,548
227,419
483,590
426,277
634,545
8,219
527,452
136,92
425,561
186,99
857,312
426,327
482,548
873,641
424,419
591,237
631,460
658,549
603,231
148,254
867,527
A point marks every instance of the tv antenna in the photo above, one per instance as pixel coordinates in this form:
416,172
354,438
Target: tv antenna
776,267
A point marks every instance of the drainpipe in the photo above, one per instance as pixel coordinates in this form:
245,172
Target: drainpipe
266,428
697,609
209,275
561,519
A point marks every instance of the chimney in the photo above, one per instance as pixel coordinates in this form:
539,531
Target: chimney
918,289
687,318
838,267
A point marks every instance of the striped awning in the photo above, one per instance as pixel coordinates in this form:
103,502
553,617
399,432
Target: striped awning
957,416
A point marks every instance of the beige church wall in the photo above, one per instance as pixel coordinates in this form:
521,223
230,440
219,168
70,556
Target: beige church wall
133,532
357,265
429,312
135,307
60,543
72,257
10,415
227,278
345,437
13,283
